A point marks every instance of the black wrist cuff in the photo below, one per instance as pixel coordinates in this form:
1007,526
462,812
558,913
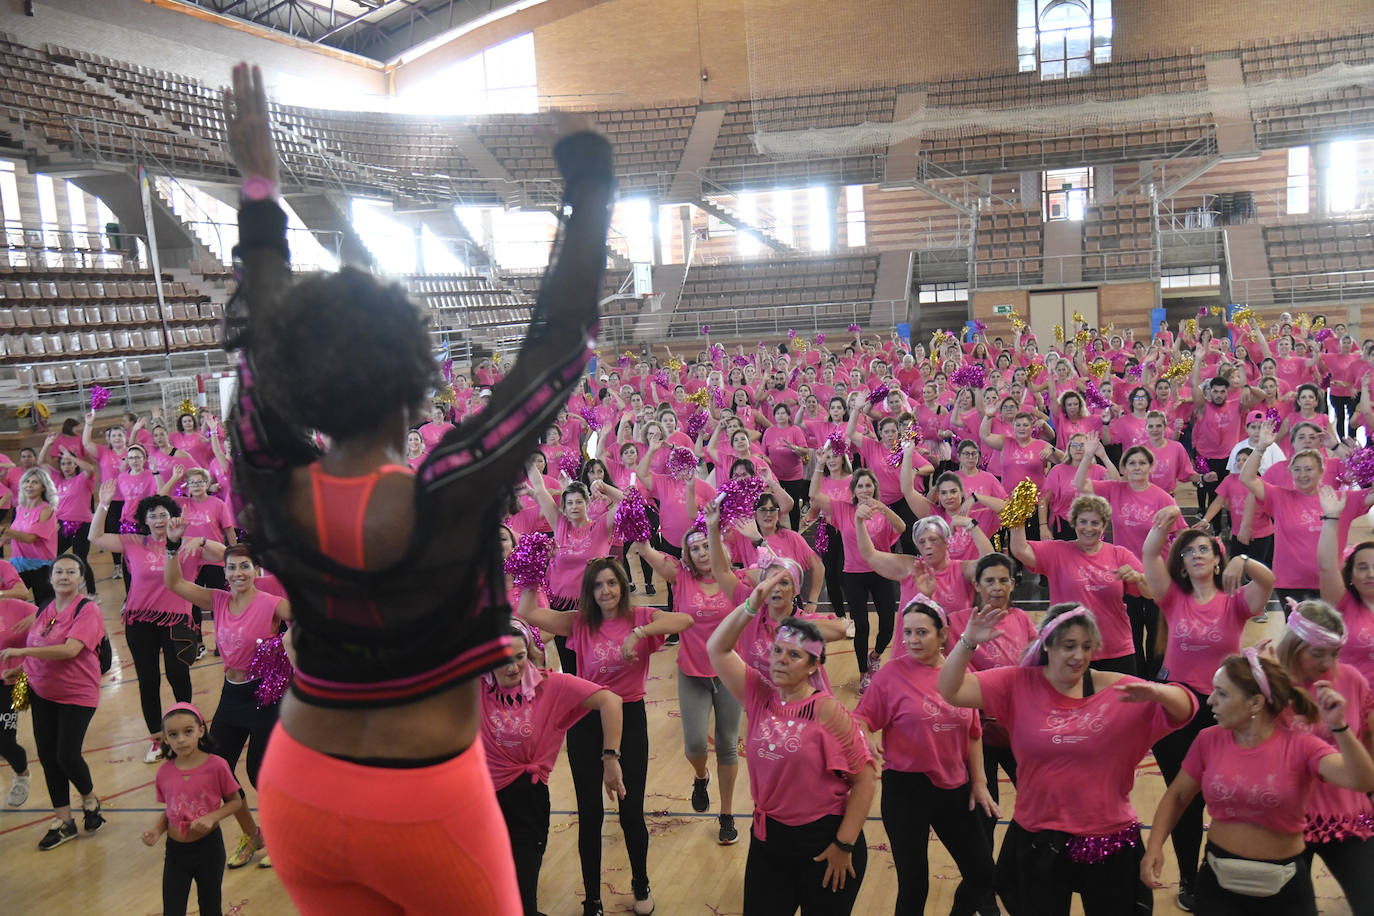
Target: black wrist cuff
262,224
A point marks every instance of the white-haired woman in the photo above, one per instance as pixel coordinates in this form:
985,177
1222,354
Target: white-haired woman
33,533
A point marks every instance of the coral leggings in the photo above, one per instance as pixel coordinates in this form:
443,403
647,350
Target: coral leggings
347,838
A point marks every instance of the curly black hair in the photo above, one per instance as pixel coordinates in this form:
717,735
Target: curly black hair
343,351
148,504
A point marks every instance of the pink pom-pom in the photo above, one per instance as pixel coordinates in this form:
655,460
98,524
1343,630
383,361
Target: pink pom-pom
99,397
569,465
1323,335
791,334
1200,465
661,379
854,329
682,464
1202,312
705,329
838,443
1326,381
623,362
447,369
631,524
271,668
741,361
695,423
1135,371
720,398
1359,468
1093,395
820,339
591,417
737,498
717,352
878,395
894,458
972,375
792,379
1272,416
528,563
979,327
822,535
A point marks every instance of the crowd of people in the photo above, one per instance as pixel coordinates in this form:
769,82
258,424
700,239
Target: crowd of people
452,561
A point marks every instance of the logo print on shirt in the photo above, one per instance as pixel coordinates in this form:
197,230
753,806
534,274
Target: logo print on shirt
1070,726
777,736
1240,800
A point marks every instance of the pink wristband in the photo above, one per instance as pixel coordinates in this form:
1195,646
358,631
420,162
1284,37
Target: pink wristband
255,187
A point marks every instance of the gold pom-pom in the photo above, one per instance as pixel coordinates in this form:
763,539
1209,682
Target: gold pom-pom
445,396
1082,339
800,345
1079,319
1216,311
1319,322
497,357
1059,333
1304,321
1035,370
1017,323
674,365
1179,369
701,398
1190,327
186,406
1099,368
1241,316
19,696
1020,505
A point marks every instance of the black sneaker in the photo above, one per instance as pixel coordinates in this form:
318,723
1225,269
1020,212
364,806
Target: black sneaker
59,833
649,589
672,640
701,799
1185,899
592,908
91,818
729,836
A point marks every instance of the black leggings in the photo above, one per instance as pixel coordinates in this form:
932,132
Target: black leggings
904,542
1296,898
672,550
240,721
1351,863
1169,753
177,646
59,730
585,744
1206,492
799,490
993,757
10,749
911,806
201,861
859,587
39,581
834,567
1035,877
1343,405
1144,617
780,874
525,806
211,577
79,544
644,567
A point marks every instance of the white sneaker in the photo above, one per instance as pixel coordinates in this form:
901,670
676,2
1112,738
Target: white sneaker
849,628
1261,617
154,753
19,792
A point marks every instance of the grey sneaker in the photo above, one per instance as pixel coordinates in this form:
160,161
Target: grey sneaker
19,792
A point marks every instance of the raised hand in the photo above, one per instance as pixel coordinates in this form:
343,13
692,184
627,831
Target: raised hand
107,492
1331,705
1332,500
249,125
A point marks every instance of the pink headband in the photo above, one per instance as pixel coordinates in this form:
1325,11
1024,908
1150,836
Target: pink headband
1315,635
768,558
1032,656
794,637
184,707
930,602
1251,655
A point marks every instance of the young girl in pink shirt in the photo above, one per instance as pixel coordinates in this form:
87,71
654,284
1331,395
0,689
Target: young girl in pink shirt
199,791
1340,823
1078,735
933,772
1256,773
1205,603
810,771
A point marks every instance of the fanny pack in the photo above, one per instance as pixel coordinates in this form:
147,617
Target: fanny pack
1250,878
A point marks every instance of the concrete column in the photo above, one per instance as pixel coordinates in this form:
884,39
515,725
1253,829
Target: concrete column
1321,167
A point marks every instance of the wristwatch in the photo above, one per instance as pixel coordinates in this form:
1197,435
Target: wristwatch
610,753
843,846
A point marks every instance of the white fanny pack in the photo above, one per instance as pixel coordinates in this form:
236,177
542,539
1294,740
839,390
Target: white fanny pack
1250,878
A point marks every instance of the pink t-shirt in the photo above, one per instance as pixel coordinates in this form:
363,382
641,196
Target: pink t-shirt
524,735
73,681
1267,785
132,488
12,610
672,507
922,733
432,432
786,464
755,646
1018,631
576,545
1060,490
784,542
194,793
797,753
1235,494
875,455
1334,813
29,520
843,519
952,590
600,661
148,599
73,497
1091,580
237,635
707,611
1075,757
1134,511
108,461
1023,463
207,518
1128,430
1200,635
1297,526
1358,651
9,577
1172,465
1217,429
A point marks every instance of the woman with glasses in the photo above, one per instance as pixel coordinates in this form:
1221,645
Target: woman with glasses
33,533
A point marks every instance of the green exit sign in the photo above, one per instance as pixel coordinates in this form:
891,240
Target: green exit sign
1002,309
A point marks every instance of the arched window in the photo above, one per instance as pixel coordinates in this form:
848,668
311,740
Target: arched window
1063,38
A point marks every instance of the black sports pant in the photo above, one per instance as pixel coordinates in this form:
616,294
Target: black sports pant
525,805
201,861
911,806
859,587
59,730
177,646
585,744
780,874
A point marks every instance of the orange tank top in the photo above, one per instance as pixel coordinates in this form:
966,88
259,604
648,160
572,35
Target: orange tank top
341,508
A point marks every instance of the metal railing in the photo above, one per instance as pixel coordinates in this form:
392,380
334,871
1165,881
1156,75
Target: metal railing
55,248
1077,147
1345,286
1057,270
39,381
745,321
